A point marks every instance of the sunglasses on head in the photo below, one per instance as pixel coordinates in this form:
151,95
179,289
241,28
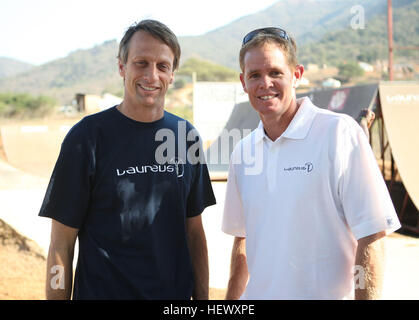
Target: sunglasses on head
278,32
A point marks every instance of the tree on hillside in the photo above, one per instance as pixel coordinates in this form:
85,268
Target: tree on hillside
350,70
368,56
24,105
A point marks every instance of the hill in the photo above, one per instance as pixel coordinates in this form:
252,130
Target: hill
92,71
10,67
207,71
307,20
322,29
370,43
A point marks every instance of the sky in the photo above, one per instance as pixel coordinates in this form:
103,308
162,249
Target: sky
40,31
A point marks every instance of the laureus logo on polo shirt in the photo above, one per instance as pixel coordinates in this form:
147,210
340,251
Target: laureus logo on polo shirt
307,167
176,166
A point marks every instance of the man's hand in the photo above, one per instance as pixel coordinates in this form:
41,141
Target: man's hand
368,115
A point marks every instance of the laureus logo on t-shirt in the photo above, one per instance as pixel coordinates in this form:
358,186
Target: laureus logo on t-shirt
308,167
175,165
179,166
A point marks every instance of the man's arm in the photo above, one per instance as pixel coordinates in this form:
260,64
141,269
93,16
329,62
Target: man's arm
60,262
369,263
239,274
199,254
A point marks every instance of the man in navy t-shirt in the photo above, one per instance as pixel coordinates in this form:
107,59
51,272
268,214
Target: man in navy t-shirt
131,184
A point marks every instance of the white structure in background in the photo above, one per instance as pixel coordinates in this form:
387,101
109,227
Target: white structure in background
366,66
213,103
331,83
89,103
109,100
311,67
304,82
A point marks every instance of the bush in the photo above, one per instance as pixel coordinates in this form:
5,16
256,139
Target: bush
24,105
350,70
179,83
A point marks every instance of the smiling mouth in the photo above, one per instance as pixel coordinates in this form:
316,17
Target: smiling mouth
148,88
268,97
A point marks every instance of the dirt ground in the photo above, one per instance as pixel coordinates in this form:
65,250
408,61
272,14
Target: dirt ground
22,267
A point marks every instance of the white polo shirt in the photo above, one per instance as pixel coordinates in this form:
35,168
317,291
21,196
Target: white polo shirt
302,201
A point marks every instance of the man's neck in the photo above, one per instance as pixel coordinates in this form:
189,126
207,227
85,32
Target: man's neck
275,126
141,113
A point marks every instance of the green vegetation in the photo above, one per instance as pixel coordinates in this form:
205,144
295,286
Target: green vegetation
24,105
179,83
350,70
207,71
306,21
325,37
370,43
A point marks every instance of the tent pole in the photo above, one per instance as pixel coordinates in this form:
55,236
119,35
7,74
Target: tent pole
402,211
390,39
392,166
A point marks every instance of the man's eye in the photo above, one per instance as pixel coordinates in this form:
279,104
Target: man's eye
164,67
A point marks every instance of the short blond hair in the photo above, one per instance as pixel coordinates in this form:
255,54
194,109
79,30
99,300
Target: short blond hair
289,47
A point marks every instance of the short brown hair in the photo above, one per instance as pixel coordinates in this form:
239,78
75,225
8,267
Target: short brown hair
156,29
289,47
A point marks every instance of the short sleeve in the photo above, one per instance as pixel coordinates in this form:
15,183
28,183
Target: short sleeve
233,217
201,194
366,202
68,193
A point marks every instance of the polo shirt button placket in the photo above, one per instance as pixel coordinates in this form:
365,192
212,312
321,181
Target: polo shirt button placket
271,173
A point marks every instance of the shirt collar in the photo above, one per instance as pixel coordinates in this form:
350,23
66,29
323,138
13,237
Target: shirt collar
299,126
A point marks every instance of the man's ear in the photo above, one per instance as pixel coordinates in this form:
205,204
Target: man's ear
243,82
298,74
121,69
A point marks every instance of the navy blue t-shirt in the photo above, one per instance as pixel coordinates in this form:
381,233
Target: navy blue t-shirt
111,181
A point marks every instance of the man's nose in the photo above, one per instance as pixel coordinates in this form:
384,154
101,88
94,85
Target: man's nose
151,73
265,82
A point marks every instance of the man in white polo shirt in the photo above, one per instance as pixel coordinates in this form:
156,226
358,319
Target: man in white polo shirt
310,212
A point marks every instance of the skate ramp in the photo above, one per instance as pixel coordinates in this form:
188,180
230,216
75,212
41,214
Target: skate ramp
400,107
242,121
33,148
